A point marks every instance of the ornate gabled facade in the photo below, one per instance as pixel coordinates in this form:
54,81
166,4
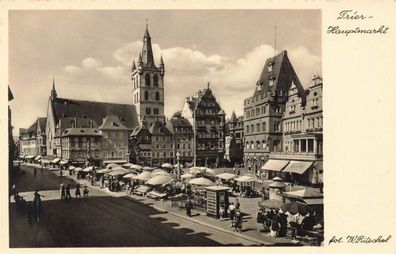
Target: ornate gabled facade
234,139
148,84
161,144
140,145
264,110
208,121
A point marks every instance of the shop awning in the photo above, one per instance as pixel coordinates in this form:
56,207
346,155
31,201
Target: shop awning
38,157
29,157
298,167
275,165
56,160
45,161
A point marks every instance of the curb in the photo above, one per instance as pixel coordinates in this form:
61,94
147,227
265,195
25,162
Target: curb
248,238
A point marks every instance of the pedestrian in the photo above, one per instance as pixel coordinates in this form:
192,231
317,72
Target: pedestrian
85,192
37,204
102,181
231,209
260,219
63,191
275,225
68,196
29,212
237,204
60,173
78,192
35,171
13,190
282,224
238,220
188,206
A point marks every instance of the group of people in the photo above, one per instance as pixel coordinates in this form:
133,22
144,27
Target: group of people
273,221
65,191
31,210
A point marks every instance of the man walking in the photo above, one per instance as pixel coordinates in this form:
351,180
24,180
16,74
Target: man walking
68,196
188,206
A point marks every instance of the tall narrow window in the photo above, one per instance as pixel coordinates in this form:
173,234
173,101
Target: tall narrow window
147,79
157,95
155,80
146,95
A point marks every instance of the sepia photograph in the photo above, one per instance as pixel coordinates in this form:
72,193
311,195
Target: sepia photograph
165,128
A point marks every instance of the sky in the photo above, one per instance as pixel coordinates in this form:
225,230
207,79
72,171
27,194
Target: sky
89,53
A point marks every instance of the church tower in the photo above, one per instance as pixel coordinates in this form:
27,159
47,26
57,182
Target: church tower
148,84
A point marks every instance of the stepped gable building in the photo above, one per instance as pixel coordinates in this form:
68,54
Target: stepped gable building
148,84
208,120
263,111
183,136
84,113
140,145
301,158
161,143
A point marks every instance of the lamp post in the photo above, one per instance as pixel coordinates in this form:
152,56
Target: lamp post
178,164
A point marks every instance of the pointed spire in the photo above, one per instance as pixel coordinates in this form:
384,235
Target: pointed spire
233,118
53,91
140,61
147,51
162,62
133,65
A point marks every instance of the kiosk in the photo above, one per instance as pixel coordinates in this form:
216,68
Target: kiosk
216,198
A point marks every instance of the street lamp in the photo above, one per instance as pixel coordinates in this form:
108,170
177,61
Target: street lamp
178,164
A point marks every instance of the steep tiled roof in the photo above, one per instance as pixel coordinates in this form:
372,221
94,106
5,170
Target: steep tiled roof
42,121
112,123
282,73
81,132
94,110
177,122
159,129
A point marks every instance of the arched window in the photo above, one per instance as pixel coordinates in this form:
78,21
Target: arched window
146,95
147,79
157,95
258,145
155,80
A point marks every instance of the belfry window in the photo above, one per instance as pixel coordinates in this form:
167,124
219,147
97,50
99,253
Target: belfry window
157,96
155,80
146,95
147,79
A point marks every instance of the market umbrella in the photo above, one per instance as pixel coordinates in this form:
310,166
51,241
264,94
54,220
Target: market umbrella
130,175
195,170
160,180
147,168
78,169
166,165
137,167
210,171
72,167
271,203
117,173
112,165
88,169
128,165
186,176
159,172
226,176
144,176
296,207
119,168
247,179
103,171
201,181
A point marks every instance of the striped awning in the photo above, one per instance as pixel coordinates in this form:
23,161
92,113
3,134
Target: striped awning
298,167
56,160
275,165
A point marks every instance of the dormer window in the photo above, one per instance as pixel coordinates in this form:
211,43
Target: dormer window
271,80
270,64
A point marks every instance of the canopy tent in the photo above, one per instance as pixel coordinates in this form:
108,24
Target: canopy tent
56,160
144,176
305,193
201,181
88,169
166,165
298,167
275,165
130,175
226,176
186,176
248,179
103,171
160,180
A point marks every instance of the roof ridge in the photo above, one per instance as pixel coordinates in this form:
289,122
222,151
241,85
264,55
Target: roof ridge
104,102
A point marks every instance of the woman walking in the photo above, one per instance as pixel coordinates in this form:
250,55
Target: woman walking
78,192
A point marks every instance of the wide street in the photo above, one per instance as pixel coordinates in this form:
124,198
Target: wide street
102,220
